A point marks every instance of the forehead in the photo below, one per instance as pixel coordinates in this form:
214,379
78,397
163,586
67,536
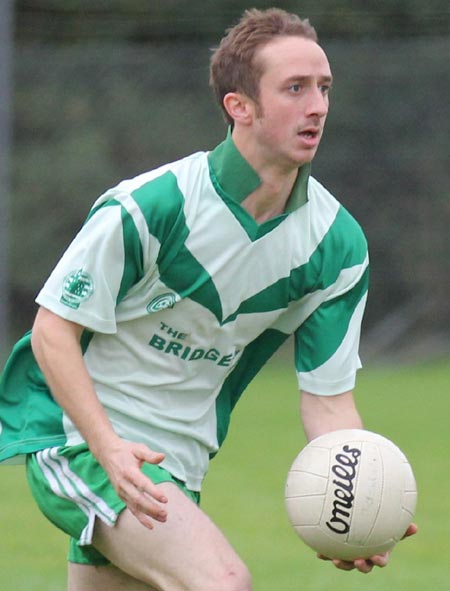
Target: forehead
285,57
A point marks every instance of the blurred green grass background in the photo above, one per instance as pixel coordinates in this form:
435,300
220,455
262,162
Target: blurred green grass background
244,491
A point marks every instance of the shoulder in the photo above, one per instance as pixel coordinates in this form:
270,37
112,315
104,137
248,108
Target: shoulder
342,224
344,240
158,196
169,175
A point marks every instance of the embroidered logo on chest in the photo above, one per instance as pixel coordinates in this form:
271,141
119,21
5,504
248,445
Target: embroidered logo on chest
161,302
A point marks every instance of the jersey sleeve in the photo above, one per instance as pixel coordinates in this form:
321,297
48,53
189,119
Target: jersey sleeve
101,263
327,343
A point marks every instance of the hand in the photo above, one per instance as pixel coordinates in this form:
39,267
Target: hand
123,461
366,565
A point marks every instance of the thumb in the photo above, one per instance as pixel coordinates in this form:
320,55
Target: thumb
412,529
145,454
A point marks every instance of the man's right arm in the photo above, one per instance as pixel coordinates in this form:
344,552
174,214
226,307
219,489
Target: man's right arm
56,346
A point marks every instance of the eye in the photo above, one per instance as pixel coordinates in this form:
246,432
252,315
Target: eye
325,89
295,87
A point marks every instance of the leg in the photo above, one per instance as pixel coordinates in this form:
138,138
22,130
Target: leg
187,553
83,577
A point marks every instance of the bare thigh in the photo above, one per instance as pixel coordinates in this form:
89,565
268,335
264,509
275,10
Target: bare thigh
83,577
186,553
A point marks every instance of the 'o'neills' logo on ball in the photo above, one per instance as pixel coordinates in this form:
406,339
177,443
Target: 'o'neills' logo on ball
344,469
161,302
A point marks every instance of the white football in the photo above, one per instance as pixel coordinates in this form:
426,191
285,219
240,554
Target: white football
351,494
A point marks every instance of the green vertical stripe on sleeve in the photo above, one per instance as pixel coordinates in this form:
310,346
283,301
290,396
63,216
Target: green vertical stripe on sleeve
133,256
133,269
161,203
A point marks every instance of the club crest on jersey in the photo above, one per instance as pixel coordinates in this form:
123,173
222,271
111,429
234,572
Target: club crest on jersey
161,302
78,286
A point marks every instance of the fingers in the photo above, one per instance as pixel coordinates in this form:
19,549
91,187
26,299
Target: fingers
143,498
411,531
343,564
123,464
143,485
340,564
144,454
146,511
363,565
366,565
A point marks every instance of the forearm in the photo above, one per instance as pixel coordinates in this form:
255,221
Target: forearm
321,414
56,346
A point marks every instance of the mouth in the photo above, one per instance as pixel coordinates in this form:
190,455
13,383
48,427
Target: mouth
309,132
310,136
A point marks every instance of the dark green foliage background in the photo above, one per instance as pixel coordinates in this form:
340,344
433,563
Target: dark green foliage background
89,114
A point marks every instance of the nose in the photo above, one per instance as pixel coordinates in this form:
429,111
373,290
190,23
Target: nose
317,103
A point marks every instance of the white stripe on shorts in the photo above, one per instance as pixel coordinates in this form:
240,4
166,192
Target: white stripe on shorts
68,485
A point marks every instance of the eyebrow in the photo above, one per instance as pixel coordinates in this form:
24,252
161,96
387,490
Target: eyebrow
324,78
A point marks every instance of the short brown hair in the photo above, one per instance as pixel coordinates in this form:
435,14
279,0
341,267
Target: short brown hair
233,67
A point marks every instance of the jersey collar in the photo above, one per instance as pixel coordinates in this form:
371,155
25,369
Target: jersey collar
234,176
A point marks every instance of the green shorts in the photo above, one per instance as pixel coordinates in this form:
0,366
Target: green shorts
72,490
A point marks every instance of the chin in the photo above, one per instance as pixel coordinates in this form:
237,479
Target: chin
300,160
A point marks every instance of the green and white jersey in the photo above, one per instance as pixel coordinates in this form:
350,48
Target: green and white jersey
185,297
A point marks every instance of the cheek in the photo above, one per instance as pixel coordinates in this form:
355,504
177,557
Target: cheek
271,130
276,118
284,123
278,121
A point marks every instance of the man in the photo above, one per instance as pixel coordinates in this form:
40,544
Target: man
181,284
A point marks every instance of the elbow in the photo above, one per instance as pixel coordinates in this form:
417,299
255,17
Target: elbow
38,332
51,331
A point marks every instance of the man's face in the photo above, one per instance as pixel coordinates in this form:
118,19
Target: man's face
293,100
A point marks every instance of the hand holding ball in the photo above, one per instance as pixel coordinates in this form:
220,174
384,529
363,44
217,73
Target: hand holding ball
351,494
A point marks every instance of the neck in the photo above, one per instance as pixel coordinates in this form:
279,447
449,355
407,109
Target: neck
270,198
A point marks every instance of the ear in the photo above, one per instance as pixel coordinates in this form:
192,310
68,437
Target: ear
239,107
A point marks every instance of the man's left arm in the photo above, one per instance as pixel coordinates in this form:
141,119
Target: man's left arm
321,414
